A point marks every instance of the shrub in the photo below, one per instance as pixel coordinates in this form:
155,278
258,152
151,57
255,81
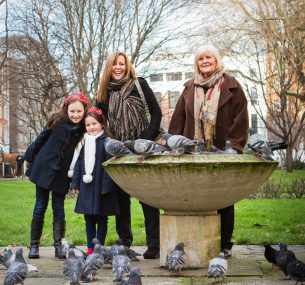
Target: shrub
297,188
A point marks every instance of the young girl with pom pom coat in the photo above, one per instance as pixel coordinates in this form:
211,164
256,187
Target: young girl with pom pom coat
97,193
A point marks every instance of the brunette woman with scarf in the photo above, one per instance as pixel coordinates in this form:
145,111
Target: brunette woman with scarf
120,100
213,107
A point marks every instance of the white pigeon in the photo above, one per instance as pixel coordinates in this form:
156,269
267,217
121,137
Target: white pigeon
17,271
218,267
8,258
176,258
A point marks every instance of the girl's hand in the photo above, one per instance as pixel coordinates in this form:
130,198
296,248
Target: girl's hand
73,192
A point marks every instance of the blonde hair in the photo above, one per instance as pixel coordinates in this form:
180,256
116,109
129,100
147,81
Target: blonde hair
209,48
102,92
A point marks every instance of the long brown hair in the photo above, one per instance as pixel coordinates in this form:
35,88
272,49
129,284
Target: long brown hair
102,92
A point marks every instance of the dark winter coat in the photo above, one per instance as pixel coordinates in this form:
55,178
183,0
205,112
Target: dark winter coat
90,201
232,121
50,156
154,109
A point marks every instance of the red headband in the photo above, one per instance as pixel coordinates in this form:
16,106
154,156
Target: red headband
96,111
77,96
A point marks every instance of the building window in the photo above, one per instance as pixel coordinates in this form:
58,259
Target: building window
173,97
254,121
189,75
158,96
156,77
174,76
253,95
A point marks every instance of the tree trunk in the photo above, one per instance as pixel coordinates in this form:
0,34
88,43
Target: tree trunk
289,159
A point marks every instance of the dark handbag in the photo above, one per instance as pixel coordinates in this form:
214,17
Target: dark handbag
161,130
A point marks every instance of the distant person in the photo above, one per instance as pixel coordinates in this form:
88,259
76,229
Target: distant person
49,158
97,193
19,160
213,107
119,98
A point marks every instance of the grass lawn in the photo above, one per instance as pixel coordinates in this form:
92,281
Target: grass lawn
255,220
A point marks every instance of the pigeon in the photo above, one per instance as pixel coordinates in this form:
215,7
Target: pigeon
284,257
176,258
145,147
218,267
66,245
93,263
271,254
296,270
114,250
179,144
259,144
18,270
116,148
134,277
73,268
229,149
8,258
120,264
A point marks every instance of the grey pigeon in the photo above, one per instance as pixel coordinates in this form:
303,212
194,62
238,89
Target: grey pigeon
114,250
73,268
259,144
179,144
116,148
218,267
8,258
296,270
284,257
134,277
93,263
66,245
17,271
176,258
120,264
229,149
145,147
271,254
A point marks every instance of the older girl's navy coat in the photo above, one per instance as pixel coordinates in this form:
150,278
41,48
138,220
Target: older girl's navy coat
90,201
50,156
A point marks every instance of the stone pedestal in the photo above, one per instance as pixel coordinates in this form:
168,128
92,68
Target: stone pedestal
200,234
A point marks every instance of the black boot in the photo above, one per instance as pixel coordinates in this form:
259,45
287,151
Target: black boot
59,229
36,231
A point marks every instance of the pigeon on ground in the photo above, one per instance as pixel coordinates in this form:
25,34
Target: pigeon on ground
218,267
114,250
93,263
66,245
73,268
296,270
229,149
8,258
17,271
176,258
116,148
284,257
134,277
120,264
179,144
271,254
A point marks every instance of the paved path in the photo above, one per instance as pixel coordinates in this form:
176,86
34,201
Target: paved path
247,266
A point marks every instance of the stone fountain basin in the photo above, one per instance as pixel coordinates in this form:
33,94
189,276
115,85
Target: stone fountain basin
190,184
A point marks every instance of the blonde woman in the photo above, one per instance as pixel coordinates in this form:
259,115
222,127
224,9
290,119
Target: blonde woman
119,98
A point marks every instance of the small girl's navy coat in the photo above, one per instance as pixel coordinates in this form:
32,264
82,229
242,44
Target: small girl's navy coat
90,201
50,156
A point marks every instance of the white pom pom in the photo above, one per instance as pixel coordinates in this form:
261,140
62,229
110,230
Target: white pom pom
87,178
70,173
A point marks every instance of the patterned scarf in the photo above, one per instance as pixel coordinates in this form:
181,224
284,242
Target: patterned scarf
127,118
206,98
